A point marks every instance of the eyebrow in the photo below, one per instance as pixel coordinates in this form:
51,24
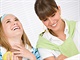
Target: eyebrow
10,19
13,18
16,18
6,20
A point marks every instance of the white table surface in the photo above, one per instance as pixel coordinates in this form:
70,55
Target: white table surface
76,57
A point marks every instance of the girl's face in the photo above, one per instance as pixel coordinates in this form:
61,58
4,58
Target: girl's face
54,22
12,26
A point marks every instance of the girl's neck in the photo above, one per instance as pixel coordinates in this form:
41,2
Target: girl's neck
61,30
14,41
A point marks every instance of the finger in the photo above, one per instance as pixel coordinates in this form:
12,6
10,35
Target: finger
12,56
16,48
16,52
8,57
19,46
15,57
19,55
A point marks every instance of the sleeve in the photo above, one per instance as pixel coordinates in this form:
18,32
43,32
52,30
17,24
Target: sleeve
44,53
0,54
36,53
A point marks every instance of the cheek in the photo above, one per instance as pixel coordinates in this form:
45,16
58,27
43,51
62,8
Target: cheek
57,16
21,26
6,29
46,23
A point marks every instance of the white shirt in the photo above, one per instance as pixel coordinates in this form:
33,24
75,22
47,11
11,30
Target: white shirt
47,53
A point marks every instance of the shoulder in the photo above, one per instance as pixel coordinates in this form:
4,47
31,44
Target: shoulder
2,50
28,47
70,22
46,34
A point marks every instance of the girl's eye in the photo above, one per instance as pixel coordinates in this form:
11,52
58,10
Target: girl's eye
53,15
7,21
16,20
45,19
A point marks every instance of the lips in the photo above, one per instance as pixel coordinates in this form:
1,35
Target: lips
54,24
15,28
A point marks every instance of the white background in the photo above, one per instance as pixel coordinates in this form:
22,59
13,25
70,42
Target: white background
24,10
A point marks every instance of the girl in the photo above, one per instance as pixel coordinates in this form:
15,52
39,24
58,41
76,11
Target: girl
61,39
13,39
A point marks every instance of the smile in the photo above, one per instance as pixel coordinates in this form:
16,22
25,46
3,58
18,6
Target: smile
15,28
54,24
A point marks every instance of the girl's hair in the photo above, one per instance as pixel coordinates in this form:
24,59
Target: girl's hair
4,42
25,39
45,8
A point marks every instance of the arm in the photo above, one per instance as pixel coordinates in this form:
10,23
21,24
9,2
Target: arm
61,57
50,58
46,54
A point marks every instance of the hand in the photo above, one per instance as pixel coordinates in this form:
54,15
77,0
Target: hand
21,51
8,56
61,57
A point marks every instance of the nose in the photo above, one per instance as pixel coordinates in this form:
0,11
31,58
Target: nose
50,20
15,23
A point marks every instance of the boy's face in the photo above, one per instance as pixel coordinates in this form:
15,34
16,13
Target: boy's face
11,26
54,21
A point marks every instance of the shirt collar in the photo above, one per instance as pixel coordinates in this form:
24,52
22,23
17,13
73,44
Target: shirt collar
66,28
49,36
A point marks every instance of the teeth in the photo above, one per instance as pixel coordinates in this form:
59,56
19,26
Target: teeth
15,28
54,24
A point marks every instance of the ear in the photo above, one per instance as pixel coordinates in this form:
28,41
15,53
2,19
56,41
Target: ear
59,9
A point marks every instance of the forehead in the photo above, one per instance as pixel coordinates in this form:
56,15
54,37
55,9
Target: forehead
9,16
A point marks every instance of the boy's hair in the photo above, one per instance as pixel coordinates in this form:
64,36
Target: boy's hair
45,8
